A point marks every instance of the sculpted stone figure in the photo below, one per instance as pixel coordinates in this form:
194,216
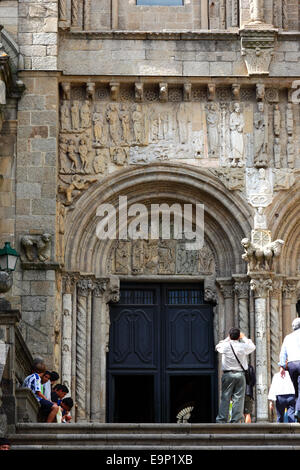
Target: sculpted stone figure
236,136
100,161
83,153
112,116
260,257
42,244
125,120
85,114
212,119
260,144
63,148
77,183
277,120
75,115
137,118
290,152
65,118
182,122
72,154
277,152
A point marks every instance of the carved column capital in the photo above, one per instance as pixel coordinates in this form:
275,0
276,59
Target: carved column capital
261,287
241,288
258,48
70,280
226,287
100,286
84,286
289,287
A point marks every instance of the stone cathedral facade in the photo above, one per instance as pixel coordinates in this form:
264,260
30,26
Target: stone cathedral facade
196,102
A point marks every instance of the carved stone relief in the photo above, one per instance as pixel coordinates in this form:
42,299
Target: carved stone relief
159,257
206,126
36,248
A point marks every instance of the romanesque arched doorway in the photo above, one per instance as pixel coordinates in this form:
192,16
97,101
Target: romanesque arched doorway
102,269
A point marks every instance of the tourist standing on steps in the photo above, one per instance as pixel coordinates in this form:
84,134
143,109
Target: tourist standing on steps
233,378
290,354
282,393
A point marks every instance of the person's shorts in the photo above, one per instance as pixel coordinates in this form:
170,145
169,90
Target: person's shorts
46,405
248,405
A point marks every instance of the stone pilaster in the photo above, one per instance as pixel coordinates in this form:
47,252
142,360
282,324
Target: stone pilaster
226,287
67,321
241,288
98,352
288,292
83,287
275,324
261,284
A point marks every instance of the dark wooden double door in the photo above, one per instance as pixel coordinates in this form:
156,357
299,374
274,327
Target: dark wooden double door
161,358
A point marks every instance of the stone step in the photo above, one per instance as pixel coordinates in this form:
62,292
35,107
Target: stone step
142,428
154,441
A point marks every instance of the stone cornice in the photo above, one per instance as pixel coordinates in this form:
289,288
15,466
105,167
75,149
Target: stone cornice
155,35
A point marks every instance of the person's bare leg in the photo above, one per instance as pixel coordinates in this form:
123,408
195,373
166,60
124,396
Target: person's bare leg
248,418
52,414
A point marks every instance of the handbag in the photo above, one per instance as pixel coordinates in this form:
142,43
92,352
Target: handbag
246,371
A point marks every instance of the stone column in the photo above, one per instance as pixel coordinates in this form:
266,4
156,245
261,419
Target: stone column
257,11
288,290
226,287
66,345
83,287
261,284
241,288
98,353
275,324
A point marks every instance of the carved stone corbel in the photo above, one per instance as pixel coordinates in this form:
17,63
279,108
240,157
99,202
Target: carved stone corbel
90,90
114,90
236,88
139,92
66,90
163,92
260,92
211,91
187,92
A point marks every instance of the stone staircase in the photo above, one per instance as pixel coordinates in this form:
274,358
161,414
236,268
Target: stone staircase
90,436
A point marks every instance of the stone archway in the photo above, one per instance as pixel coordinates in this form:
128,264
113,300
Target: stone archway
91,284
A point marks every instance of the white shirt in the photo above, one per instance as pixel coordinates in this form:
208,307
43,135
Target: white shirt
241,347
47,390
281,386
290,349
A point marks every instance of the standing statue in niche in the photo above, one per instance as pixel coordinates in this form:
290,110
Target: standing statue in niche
260,144
183,120
65,118
125,121
236,125
112,116
85,114
75,115
72,154
212,119
137,118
